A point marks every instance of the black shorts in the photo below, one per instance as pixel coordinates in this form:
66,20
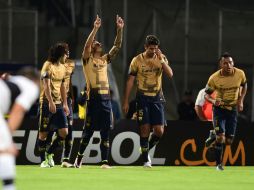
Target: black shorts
225,121
51,121
99,114
150,111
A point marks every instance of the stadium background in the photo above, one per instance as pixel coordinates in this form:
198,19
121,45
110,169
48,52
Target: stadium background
193,34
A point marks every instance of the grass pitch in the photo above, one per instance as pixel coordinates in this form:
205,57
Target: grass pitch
134,178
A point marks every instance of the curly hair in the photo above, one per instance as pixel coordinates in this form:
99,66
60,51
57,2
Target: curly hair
58,50
152,40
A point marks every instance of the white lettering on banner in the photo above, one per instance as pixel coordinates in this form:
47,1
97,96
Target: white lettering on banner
31,143
92,147
116,145
19,133
156,161
116,154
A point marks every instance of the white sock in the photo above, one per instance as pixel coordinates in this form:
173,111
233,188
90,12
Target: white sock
9,187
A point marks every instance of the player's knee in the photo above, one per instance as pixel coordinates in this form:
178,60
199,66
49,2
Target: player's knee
220,138
229,141
105,143
68,142
43,136
63,133
7,182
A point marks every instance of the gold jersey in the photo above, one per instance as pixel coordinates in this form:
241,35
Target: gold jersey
96,75
56,74
69,66
227,87
148,72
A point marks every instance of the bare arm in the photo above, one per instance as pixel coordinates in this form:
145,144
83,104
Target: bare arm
64,98
16,116
241,97
118,40
200,113
129,85
88,45
46,85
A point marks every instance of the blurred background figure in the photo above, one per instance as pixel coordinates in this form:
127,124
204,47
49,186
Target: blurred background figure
185,108
18,93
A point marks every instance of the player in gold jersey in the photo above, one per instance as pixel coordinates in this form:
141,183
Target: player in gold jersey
99,109
70,66
231,86
53,102
147,68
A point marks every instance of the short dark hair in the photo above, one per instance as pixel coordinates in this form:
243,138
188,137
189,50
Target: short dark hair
29,72
58,50
225,55
152,40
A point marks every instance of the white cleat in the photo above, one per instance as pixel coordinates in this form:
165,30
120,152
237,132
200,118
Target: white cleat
147,165
45,164
77,163
66,165
106,166
49,158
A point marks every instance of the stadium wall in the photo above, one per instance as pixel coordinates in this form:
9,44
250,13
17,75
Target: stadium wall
182,145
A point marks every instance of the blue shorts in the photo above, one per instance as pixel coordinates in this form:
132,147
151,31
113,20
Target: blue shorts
149,112
99,115
224,121
50,121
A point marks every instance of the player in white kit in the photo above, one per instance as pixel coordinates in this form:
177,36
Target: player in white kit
17,95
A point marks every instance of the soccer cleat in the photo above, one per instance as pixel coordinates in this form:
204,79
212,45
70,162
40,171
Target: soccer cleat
105,165
66,165
49,158
45,164
147,165
211,139
78,162
219,167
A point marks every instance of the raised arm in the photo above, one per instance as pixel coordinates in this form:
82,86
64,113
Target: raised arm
164,62
88,45
118,40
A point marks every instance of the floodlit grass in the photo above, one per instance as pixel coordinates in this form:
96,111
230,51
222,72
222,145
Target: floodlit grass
134,178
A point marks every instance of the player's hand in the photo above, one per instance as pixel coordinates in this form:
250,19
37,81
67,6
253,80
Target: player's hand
159,54
119,22
11,150
52,107
240,105
97,22
66,110
125,107
217,102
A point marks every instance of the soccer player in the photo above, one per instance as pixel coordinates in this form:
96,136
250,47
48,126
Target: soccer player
204,111
147,68
18,93
99,108
226,82
70,66
53,102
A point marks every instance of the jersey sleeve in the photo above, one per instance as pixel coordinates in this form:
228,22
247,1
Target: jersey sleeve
210,86
200,101
244,80
133,69
29,92
45,71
